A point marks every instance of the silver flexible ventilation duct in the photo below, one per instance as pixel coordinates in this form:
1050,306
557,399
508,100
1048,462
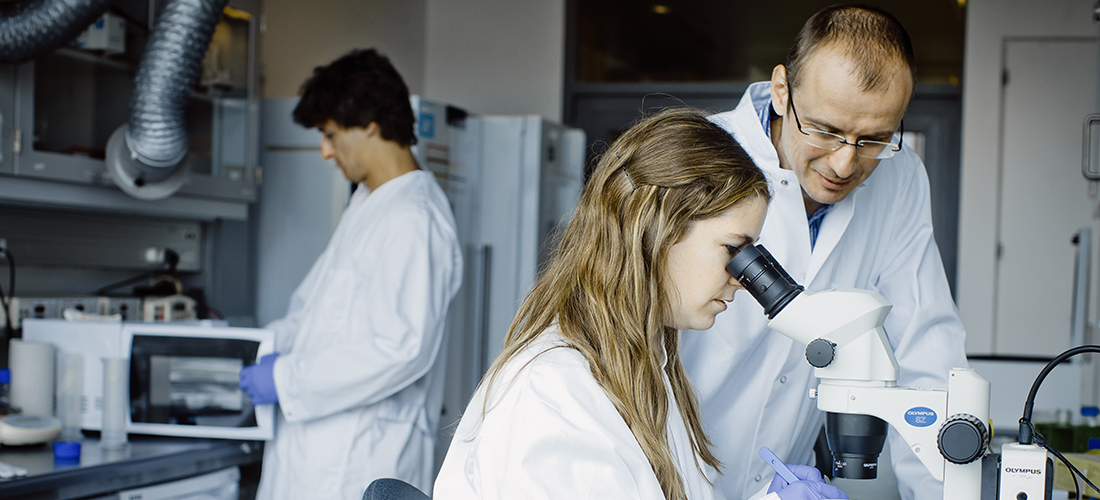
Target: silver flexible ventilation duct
145,156
36,28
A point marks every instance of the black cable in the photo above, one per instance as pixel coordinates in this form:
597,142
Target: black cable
171,260
6,304
128,281
5,301
1069,465
1027,429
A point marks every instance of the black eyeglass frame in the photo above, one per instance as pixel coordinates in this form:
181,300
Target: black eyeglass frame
841,141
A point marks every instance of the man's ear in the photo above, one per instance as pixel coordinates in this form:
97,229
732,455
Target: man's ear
780,91
373,129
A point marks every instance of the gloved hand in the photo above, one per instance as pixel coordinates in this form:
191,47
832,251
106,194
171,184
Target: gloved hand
258,381
810,487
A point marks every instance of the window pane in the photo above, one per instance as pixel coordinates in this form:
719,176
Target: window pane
723,40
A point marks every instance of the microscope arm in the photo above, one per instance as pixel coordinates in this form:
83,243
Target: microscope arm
934,422
892,404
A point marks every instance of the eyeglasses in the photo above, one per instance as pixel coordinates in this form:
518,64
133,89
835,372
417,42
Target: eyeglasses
832,142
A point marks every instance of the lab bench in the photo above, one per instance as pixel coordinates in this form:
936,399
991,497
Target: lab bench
144,461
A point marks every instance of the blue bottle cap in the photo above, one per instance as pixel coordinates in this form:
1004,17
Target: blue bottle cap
66,450
1094,443
1090,411
5,376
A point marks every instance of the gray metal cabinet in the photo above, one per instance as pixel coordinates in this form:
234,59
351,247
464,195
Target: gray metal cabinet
57,112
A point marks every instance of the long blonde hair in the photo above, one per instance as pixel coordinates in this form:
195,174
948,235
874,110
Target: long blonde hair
605,285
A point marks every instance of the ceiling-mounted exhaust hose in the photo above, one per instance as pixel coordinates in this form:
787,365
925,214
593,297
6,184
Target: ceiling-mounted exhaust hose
36,28
145,157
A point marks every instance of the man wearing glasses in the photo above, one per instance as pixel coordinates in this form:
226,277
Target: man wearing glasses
831,224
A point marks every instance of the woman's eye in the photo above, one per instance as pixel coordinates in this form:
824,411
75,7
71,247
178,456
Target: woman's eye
733,251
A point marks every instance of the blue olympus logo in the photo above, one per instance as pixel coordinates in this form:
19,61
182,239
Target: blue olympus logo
920,416
1018,470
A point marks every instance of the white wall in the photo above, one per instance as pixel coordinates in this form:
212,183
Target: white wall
497,56
988,23
487,56
298,36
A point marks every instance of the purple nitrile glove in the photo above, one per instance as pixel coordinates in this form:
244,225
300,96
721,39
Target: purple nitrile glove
258,381
810,487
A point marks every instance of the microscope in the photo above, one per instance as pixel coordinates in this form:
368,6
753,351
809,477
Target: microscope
845,342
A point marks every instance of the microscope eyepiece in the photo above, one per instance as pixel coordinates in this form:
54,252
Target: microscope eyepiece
764,278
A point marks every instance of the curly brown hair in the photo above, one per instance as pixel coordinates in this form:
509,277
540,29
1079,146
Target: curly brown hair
355,90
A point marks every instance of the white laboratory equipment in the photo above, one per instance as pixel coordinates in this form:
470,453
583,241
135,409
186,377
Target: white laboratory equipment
948,430
511,181
532,175
301,199
845,342
167,379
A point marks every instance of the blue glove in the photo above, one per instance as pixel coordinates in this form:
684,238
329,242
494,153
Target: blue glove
258,381
811,486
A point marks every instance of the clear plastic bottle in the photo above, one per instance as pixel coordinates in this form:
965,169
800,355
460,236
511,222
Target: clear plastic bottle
1088,431
1089,415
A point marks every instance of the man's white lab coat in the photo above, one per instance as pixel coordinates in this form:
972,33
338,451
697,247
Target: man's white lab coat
753,382
359,376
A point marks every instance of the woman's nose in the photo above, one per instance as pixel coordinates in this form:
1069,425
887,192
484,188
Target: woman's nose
734,283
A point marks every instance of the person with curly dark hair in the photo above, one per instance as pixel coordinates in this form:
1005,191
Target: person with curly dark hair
356,376
356,90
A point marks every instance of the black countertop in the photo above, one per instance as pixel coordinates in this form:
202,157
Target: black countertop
144,461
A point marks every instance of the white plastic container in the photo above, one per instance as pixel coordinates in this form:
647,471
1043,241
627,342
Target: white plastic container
70,390
116,374
108,33
32,376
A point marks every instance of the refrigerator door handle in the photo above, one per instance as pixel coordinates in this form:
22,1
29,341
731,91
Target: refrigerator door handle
1081,278
483,315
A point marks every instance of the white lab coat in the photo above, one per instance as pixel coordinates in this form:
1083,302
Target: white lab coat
552,433
359,376
753,382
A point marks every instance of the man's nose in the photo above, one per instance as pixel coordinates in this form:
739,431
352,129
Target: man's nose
326,150
844,161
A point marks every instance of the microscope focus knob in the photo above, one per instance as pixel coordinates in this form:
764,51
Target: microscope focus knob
820,352
963,439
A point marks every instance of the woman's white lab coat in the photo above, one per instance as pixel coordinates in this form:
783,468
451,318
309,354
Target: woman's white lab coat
358,380
551,432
